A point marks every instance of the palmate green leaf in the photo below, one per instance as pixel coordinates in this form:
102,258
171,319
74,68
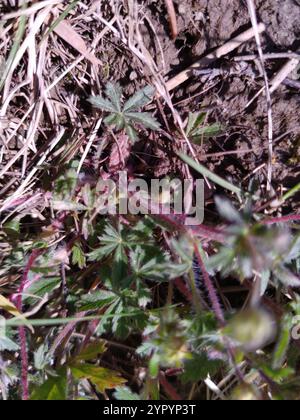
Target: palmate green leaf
163,271
143,294
125,394
119,267
92,351
131,133
54,389
42,357
114,93
111,241
116,120
6,344
144,118
140,99
122,326
228,211
198,367
207,131
294,252
286,277
102,252
101,377
78,256
194,121
157,268
40,288
102,103
97,300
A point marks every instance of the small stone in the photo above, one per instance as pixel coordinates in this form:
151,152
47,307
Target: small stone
133,75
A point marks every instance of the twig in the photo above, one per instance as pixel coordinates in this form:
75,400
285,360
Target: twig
30,10
282,219
210,58
271,56
290,66
172,18
295,84
89,145
255,25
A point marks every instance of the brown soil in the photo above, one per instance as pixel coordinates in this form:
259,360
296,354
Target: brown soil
203,25
206,24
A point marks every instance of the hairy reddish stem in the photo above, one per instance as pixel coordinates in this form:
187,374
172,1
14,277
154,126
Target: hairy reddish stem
22,331
213,297
169,389
283,219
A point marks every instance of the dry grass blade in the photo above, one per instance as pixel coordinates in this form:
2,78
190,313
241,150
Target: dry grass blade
172,18
255,25
14,50
30,10
288,68
89,222
210,58
69,35
36,168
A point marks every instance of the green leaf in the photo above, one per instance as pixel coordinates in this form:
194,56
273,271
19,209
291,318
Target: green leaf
40,288
97,300
210,175
111,240
154,366
283,343
278,375
114,93
102,103
291,192
144,118
100,253
54,389
140,99
265,280
227,210
92,351
198,367
6,344
101,377
112,119
125,394
78,256
12,227
194,121
42,357
207,131
286,277
117,120
120,266
131,133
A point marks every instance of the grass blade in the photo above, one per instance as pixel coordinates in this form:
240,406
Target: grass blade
210,175
14,49
62,17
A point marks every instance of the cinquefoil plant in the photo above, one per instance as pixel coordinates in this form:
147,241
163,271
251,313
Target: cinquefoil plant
125,115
